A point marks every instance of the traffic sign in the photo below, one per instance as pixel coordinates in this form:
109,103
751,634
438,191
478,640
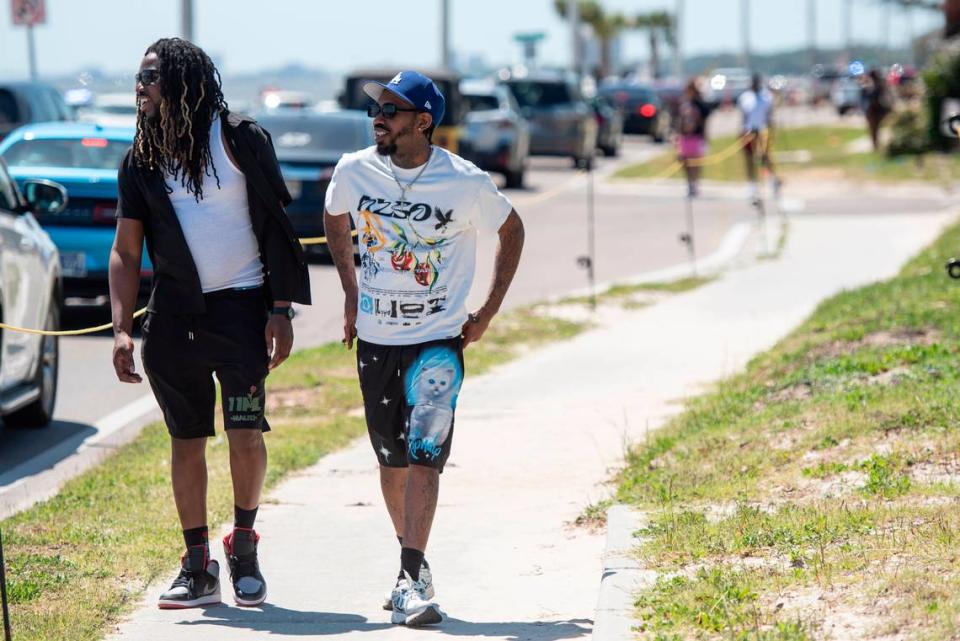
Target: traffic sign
28,12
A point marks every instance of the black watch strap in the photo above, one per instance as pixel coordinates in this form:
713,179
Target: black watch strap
283,310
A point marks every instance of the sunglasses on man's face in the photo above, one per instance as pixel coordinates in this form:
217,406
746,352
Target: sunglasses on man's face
148,77
388,110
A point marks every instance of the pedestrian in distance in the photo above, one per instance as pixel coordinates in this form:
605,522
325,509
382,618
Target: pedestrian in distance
877,104
417,209
692,133
756,109
203,187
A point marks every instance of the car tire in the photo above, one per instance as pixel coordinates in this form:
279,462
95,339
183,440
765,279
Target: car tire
514,179
610,151
39,413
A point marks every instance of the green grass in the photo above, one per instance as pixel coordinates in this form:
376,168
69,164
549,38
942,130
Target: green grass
78,562
827,145
828,466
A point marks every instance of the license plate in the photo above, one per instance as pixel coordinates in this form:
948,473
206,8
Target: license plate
74,264
295,187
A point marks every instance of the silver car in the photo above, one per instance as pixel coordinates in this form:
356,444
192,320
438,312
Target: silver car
495,136
561,122
30,296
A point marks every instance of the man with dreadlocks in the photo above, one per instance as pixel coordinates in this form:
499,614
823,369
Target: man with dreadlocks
203,187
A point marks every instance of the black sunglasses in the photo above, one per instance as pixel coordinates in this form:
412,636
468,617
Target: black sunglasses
148,77
388,110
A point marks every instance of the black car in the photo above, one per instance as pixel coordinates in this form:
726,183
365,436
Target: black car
309,144
642,109
25,102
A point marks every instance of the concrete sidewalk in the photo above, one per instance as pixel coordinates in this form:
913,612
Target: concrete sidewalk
535,442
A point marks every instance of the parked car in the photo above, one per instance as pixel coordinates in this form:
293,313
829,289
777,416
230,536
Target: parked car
25,102
495,136
448,130
111,110
726,84
609,125
561,122
84,158
846,94
643,112
308,144
30,296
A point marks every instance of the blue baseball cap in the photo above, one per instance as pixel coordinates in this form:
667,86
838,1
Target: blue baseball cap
415,88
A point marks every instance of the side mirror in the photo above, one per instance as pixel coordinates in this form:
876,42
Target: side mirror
45,196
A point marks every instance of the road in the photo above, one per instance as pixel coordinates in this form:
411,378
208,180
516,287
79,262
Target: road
637,231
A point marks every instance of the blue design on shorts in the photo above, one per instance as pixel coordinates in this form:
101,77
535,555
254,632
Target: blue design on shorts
432,385
366,304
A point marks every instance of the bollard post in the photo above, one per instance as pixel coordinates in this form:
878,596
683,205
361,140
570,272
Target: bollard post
7,634
587,262
688,238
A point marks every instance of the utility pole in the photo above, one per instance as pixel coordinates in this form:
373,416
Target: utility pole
32,53
887,8
745,31
186,19
848,30
812,31
445,33
678,15
573,15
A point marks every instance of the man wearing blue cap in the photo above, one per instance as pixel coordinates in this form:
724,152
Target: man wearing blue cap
417,209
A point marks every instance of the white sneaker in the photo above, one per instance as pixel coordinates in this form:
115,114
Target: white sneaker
426,577
411,605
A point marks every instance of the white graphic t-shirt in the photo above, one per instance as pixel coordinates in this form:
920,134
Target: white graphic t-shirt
417,255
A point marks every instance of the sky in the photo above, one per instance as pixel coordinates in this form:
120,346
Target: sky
251,35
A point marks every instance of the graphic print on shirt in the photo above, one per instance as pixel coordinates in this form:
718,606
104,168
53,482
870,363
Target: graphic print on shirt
432,386
404,239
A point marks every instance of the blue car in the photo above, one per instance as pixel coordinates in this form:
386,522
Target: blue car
308,144
84,158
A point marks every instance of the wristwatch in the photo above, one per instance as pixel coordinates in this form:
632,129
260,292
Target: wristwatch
283,310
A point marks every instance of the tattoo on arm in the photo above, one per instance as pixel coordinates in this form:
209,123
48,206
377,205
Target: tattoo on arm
508,258
337,229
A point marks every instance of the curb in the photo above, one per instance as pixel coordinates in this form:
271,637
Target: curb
622,577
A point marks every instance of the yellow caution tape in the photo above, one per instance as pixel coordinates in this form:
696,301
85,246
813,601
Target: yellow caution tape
318,240
705,161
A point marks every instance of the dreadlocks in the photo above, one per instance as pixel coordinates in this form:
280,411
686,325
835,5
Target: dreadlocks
178,141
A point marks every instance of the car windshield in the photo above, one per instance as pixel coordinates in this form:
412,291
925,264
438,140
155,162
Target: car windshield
121,110
85,153
324,135
481,102
541,94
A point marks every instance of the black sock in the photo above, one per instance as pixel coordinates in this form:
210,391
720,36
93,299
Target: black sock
244,518
195,536
410,561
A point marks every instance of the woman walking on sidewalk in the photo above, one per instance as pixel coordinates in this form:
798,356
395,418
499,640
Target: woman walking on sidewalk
692,138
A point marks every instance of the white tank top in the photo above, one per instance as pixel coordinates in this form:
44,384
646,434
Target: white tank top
218,228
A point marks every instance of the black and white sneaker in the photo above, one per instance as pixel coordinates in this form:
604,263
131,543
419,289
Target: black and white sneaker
197,584
249,586
426,578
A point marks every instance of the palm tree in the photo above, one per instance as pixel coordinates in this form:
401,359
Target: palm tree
606,27
657,24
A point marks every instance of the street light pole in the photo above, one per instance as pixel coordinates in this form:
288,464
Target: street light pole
678,15
573,15
32,52
445,33
186,20
812,31
848,29
745,31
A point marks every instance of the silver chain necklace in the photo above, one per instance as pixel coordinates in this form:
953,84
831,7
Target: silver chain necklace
403,190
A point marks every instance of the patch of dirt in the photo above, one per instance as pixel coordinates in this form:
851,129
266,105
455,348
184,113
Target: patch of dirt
299,398
883,338
890,377
945,471
811,489
838,614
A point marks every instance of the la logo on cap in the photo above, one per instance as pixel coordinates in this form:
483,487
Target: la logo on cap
396,79
428,105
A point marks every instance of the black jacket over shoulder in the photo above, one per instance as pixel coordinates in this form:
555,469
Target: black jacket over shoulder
176,284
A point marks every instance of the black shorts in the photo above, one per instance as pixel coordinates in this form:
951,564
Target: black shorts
182,353
410,397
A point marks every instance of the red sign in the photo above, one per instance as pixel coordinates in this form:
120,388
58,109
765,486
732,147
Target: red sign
29,12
